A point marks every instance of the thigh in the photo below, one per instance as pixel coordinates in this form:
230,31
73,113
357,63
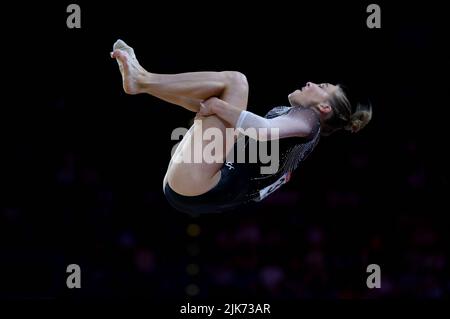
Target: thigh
192,171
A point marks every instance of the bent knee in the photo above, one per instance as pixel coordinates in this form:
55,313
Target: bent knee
236,90
236,78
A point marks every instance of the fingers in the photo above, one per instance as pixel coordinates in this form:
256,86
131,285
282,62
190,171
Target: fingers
213,101
204,110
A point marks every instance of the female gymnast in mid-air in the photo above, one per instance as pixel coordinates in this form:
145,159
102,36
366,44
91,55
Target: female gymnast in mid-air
220,101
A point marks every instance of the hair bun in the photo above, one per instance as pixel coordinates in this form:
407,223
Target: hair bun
354,125
360,118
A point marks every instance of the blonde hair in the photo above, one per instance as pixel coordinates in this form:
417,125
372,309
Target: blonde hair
342,116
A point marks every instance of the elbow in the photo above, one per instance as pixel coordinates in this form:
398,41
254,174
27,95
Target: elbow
268,134
264,134
256,134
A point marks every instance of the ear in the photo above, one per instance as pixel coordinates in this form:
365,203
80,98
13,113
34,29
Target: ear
324,108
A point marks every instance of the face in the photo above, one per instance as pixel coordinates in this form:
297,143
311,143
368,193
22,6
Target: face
312,94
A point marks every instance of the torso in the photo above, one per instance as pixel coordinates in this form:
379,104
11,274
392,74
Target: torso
292,151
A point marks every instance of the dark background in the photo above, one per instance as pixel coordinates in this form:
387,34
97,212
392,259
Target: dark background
82,163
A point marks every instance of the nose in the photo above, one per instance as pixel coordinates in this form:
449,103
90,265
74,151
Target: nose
308,84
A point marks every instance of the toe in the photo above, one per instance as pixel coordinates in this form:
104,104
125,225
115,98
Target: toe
119,54
115,54
119,44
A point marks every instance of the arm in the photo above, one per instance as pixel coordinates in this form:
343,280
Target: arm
256,126
222,109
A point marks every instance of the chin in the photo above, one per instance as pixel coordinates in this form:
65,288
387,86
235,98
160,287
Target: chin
293,102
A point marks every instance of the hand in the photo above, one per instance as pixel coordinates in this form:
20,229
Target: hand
205,110
207,106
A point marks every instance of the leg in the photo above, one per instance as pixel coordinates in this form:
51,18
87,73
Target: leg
184,89
197,178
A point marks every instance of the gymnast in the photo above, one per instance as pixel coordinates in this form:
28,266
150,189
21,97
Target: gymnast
219,100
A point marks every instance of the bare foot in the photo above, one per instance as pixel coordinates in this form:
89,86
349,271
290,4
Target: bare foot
133,74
